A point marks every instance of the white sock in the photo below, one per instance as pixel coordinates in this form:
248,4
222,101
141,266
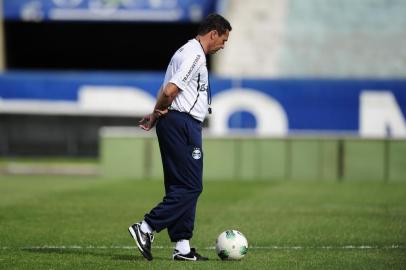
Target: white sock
183,246
145,228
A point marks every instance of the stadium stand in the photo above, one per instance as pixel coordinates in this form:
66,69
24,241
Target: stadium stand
1,38
316,38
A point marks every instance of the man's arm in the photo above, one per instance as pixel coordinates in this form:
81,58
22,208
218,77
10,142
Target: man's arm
164,100
166,96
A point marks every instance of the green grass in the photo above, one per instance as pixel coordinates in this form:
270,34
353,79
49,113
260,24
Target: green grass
43,219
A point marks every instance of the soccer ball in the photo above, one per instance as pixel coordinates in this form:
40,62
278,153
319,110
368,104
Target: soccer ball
231,245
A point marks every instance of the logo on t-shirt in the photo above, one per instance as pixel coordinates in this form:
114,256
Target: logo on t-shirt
191,68
203,87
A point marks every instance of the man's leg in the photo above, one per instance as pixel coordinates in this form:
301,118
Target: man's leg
174,207
178,135
180,144
183,228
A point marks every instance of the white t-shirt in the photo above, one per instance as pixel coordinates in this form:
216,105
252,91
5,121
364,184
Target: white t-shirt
188,71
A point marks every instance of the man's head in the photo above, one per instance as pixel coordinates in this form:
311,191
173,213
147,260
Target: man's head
214,29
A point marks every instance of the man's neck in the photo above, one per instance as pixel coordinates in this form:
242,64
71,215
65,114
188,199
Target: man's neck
203,42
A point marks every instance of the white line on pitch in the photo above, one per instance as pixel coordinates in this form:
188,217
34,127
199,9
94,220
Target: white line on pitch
212,247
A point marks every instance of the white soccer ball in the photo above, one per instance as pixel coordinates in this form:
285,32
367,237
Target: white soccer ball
231,245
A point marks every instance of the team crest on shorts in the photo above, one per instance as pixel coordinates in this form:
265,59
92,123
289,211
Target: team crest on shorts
196,154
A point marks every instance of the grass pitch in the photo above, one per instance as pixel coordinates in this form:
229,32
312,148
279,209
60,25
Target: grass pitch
81,223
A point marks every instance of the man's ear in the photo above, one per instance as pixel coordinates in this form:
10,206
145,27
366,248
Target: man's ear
213,34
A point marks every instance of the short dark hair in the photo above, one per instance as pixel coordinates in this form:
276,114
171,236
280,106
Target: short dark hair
214,22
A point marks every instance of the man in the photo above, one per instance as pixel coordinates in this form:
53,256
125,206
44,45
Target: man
182,104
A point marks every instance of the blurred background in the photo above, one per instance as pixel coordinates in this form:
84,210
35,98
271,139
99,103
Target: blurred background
309,89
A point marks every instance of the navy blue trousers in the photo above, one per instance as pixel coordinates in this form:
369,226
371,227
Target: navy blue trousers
180,143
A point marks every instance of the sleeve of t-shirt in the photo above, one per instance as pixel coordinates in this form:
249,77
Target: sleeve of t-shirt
186,71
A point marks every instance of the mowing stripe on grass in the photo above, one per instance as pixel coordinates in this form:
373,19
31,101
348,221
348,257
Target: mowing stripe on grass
212,247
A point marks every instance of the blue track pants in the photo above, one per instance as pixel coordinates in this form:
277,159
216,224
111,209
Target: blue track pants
180,143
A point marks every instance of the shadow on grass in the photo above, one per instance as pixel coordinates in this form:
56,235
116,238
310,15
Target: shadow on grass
88,252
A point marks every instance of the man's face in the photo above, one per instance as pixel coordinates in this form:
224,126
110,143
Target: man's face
218,41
